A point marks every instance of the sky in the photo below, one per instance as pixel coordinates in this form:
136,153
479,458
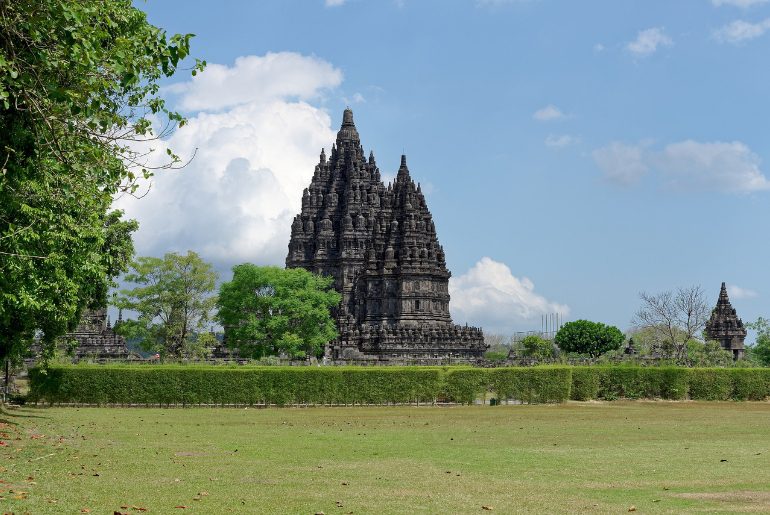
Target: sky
573,154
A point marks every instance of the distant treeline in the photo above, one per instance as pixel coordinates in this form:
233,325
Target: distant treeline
280,386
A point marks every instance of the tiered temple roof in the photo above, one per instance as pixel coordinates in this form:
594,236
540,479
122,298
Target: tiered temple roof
96,338
725,327
380,245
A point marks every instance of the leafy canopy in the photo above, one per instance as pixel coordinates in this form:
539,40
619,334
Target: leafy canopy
270,310
174,299
586,337
761,349
534,346
79,83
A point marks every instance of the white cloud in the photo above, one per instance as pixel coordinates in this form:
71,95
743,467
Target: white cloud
560,141
334,3
282,75
489,295
686,165
622,164
736,292
357,98
598,47
743,4
548,113
739,31
648,41
235,201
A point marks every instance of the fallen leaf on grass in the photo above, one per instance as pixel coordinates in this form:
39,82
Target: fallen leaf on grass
632,508
487,508
181,507
85,510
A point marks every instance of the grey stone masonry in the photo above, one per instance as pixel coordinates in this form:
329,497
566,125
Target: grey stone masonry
379,243
725,327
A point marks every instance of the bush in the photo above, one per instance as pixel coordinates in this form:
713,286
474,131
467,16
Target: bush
586,337
534,346
530,385
710,384
280,385
585,383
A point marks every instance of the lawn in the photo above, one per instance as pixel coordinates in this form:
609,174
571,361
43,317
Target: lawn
598,457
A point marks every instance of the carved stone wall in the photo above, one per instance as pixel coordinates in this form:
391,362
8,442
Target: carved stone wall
380,245
725,327
96,338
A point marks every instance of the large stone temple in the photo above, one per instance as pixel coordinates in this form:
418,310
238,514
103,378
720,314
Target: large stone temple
96,338
380,245
725,327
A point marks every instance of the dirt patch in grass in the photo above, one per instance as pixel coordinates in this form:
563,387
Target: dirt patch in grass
745,500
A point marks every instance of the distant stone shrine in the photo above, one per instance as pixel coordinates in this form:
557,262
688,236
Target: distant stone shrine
379,244
96,338
725,327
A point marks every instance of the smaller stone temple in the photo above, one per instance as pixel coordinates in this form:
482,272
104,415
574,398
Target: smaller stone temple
96,337
725,327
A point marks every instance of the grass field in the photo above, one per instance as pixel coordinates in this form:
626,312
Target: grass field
596,457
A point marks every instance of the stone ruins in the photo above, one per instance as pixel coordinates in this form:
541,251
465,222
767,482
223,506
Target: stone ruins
725,327
96,338
380,245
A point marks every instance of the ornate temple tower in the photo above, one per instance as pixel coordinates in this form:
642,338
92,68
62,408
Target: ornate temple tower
725,327
96,338
380,245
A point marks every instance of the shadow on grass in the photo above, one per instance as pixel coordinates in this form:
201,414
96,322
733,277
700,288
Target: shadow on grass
7,415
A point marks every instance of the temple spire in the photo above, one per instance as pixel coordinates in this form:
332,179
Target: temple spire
403,170
348,135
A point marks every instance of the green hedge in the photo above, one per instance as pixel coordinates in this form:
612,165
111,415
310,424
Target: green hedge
192,385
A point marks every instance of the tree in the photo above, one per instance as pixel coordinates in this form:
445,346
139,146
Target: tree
586,337
174,298
674,317
79,83
498,346
270,310
535,346
761,348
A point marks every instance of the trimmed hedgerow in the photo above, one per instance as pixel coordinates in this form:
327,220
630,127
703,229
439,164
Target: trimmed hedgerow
711,384
191,385
465,385
585,383
532,384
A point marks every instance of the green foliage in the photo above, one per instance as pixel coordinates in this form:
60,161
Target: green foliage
585,383
709,354
710,384
586,337
269,310
173,297
534,346
79,81
761,349
465,385
531,384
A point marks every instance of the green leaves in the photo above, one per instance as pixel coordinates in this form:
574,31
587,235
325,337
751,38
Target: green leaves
174,299
586,337
269,310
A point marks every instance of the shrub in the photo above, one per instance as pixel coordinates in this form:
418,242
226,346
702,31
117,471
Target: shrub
710,384
585,383
534,346
535,384
464,385
586,337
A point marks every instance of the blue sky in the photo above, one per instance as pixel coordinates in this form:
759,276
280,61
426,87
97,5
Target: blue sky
573,153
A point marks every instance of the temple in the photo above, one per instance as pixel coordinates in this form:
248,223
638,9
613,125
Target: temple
379,244
96,338
725,327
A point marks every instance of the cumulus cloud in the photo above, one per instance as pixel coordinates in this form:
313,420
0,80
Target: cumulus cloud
334,3
686,165
736,292
647,42
274,76
235,201
548,113
560,141
739,31
489,295
738,3
620,163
